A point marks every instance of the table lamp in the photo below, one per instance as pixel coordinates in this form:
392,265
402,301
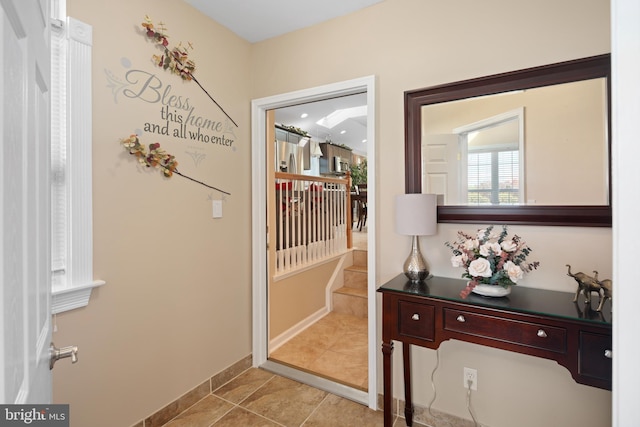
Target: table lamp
416,215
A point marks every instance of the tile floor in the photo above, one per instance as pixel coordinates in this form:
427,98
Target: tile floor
335,347
258,398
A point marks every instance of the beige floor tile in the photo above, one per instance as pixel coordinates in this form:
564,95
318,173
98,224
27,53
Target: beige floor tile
345,323
317,349
242,386
202,414
351,344
345,368
285,401
401,422
178,406
241,417
336,411
298,354
323,333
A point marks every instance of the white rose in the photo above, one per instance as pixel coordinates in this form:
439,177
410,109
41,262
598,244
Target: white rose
458,260
488,247
514,271
480,268
470,244
509,246
482,232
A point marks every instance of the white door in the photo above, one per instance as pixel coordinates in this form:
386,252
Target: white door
440,166
25,272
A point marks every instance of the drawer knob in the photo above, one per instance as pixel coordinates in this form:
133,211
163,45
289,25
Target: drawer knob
542,333
608,354
461,319
415,316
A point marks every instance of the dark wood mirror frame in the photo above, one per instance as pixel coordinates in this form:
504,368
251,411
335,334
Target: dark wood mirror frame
563,72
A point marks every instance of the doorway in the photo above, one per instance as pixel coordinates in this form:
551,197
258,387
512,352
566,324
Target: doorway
259,235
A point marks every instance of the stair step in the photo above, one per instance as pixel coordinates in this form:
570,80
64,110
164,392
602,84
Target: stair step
360,257
360,293
355,277
350,301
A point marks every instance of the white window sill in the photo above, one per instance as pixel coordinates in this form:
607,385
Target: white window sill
72,298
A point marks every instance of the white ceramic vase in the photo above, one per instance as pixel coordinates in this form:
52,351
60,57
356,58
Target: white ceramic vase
491,290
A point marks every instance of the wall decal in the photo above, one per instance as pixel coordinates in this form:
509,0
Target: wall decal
196,156
176,60
177,113
157,157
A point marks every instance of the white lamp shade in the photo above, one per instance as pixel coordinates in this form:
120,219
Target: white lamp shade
416,214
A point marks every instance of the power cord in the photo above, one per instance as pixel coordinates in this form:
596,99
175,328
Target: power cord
433,384
469,408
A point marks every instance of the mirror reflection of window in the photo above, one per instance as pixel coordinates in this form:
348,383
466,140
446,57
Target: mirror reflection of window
492,160
566,134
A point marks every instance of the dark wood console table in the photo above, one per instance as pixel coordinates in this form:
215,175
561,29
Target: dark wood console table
531,321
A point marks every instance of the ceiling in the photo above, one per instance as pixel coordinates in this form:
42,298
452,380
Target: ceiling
258,20
350,129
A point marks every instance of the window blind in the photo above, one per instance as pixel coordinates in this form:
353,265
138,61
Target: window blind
59,190
493,177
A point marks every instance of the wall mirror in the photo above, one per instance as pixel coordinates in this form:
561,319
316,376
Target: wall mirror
523,147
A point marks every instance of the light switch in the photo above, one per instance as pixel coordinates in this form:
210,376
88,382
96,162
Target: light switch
217,208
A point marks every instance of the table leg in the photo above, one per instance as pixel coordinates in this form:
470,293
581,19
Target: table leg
387,352
408,405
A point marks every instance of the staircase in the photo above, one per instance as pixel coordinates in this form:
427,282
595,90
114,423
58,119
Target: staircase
352,297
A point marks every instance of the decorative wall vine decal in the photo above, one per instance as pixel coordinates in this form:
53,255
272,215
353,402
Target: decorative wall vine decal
175,60
157,157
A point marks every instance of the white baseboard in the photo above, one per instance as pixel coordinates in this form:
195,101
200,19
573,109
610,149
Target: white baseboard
296,329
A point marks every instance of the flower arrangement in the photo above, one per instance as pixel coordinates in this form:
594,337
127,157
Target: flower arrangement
489,258
156,157
175,60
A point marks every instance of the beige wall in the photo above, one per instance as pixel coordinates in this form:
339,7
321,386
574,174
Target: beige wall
176,308
295,298
410,44
177,280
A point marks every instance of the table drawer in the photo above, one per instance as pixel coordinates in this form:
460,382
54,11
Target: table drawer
416,320
595,355
527,334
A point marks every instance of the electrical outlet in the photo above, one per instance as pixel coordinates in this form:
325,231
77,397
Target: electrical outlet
471,375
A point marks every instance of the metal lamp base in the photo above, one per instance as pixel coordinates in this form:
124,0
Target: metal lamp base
415,267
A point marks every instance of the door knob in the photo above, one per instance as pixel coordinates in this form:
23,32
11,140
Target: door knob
61,353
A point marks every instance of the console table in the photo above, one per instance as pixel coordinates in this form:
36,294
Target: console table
531,321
